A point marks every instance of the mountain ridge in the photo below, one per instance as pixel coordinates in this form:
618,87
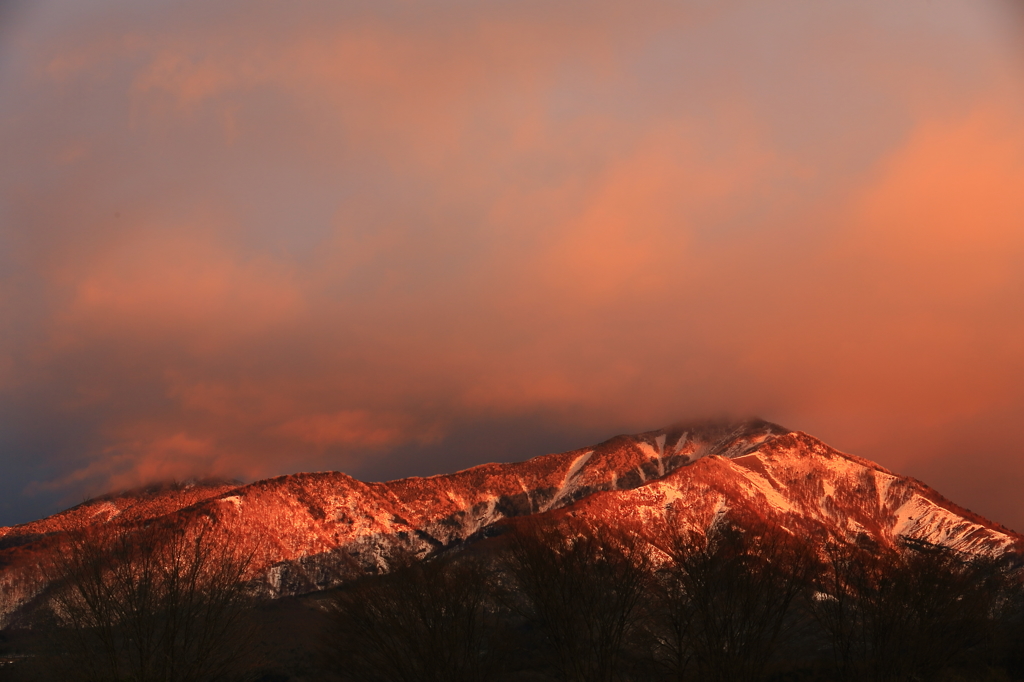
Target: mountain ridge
312,530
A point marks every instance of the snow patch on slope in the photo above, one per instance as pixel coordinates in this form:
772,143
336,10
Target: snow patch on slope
568,487
830,490
921,518
106,510
883,483
761,483
718,516
651,454
681,443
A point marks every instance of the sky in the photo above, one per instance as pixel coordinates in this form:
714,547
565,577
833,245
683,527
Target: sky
393,237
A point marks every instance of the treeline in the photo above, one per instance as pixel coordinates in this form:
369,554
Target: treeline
544,601
563,602
128,603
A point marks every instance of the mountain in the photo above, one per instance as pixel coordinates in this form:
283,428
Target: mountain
312,529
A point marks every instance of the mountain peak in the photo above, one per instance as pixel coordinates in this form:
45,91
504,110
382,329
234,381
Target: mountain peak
313,529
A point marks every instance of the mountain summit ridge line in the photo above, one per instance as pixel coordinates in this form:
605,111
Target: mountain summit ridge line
312,529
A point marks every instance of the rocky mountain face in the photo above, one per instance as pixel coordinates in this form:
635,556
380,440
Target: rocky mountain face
311,530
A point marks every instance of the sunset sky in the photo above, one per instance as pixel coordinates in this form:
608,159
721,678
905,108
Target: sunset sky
398,237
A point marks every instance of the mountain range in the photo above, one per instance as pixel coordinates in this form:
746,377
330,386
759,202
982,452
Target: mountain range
311,530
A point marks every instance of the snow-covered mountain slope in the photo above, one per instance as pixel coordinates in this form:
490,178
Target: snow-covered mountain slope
311,530
797,482
136,505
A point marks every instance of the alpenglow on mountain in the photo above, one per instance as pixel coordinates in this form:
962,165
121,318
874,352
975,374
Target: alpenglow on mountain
312,530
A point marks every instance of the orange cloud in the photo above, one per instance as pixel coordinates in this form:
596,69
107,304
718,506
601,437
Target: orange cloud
949,206
348,427
136,462
254,240
178,284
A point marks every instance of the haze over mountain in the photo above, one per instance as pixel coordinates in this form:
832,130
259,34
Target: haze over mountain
312,530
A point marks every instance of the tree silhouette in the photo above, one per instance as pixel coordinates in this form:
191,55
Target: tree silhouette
425,621
582,589
726,599
905,614
156,603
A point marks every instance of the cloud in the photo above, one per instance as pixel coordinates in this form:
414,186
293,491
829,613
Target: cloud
135,463
176,284
348,427
244,241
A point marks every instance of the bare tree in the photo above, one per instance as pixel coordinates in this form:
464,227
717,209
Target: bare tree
905,614
670,623
726,599
150,604
582,589
424,621
1010,637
